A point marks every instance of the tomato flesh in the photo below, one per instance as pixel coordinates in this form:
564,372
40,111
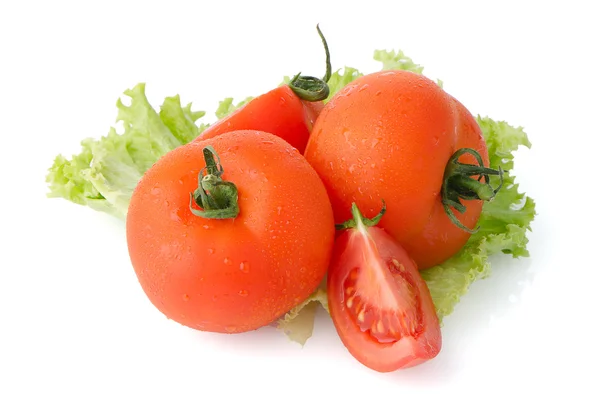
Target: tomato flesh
380,305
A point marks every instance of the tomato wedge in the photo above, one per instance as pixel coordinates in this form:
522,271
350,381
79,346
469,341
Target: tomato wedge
380,305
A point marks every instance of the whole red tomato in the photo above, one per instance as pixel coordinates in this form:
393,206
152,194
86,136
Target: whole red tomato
397,135
230,233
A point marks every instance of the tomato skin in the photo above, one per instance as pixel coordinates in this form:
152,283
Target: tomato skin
354,249
231,275
279,112
389,135
440,238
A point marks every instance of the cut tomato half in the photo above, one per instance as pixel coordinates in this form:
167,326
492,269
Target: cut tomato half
380,305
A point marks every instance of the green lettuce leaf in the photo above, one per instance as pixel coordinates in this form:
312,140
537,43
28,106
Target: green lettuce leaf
226,107
66,180
503,224
298,323
396,60
340,78
107,170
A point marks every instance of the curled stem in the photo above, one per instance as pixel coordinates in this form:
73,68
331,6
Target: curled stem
310,88
458,184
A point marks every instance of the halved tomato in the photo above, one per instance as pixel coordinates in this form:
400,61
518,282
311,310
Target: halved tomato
380,305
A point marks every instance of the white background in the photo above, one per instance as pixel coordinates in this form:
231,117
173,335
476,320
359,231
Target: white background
73,320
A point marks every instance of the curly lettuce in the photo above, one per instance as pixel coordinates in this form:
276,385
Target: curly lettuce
107,170
103,175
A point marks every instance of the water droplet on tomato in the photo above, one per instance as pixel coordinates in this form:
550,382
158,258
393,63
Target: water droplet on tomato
364,87
351,168
156,190
230,328
175,216
186,297
226,260
205,227
302,269
374,143
378,93
211,251
347,138
245,267
331,165
243,293
278,210
214,298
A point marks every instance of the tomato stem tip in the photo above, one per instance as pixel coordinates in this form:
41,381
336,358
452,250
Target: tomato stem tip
458,184
359,220
218,199
310,88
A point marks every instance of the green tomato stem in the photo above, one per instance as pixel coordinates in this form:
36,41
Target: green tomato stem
310,88
216,198
358,221
459,185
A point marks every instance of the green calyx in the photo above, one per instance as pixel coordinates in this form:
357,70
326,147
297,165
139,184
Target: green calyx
458,184
216,198
310,88
359,221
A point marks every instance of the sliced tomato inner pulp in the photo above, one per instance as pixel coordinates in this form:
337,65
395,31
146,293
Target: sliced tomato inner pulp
383,299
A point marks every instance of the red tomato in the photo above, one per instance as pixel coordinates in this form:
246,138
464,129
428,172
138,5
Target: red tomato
380,305
394,135
280,112
268,253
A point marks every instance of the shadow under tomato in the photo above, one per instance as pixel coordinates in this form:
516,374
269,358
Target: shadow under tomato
265,341
487,299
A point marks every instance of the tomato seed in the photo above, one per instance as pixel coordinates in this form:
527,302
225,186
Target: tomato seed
349,302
